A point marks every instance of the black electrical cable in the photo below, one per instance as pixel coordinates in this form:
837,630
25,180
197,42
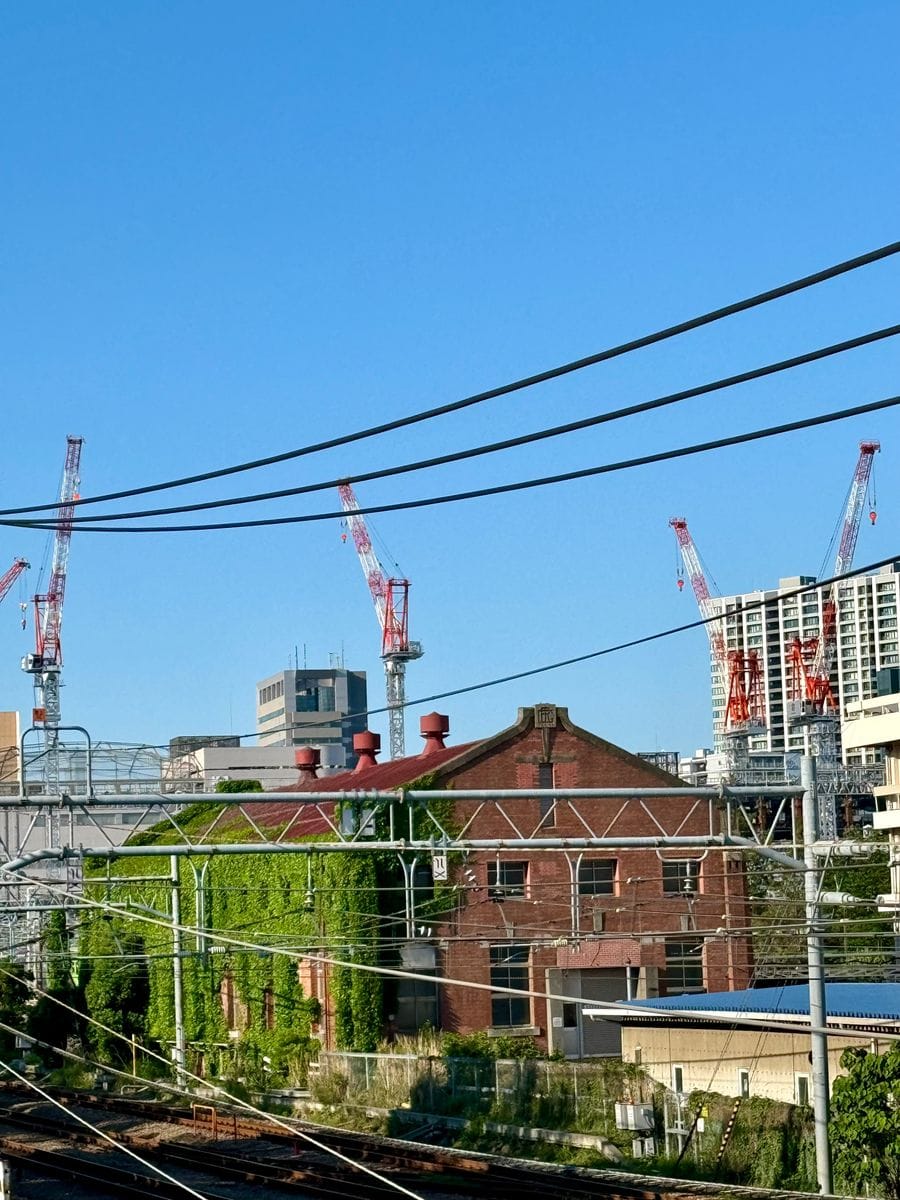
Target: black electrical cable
645,639
640,343
496,489
524,439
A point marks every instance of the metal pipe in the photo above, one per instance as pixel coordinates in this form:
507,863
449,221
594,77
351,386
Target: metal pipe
177,976
156,798
818,1013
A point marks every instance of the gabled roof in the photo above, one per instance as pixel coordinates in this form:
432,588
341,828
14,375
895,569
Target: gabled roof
446,761
863,1001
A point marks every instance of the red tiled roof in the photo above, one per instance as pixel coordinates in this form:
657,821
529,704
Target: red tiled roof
382,777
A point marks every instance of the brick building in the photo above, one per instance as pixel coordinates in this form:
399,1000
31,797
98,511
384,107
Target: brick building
593,924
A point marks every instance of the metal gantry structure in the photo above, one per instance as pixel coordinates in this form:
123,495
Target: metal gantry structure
45,664
738,674
390,595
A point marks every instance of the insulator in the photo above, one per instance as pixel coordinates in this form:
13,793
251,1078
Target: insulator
680,584
873,516
343,537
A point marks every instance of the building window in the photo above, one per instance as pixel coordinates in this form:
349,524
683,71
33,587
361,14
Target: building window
417,1005
509,969
597,877
680,876
684,966
801,1089
506,880
547,806
744,1084
677,1078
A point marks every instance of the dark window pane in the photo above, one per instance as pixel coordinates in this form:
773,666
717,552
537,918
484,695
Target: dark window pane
597,877
509,969
506,879
679,876
684,966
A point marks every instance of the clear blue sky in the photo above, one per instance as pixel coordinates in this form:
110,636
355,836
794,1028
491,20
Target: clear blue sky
229,229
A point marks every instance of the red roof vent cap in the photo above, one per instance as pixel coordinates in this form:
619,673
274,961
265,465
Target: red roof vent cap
366,745
307,759
433,726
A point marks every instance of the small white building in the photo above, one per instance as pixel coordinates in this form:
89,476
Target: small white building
730,1043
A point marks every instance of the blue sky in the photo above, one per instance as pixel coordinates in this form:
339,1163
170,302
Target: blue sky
230,230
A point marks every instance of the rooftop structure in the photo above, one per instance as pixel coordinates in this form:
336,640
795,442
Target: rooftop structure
313,707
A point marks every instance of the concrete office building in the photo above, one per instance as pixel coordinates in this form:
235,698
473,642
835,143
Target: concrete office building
310,707
866,642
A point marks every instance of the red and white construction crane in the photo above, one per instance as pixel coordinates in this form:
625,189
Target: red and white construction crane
391,599
46,662
739,674
812,660
811,700
7,580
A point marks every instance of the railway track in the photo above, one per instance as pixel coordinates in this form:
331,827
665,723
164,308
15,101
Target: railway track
229,1147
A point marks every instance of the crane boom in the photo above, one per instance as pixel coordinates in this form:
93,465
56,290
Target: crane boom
390,597
819,682
7,580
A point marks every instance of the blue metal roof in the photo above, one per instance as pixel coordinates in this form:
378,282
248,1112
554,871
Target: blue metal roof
874,1001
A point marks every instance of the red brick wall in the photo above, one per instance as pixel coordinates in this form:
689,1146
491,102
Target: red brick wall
637,916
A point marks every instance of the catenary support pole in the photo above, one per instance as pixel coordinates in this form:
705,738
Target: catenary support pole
177,976
818,1013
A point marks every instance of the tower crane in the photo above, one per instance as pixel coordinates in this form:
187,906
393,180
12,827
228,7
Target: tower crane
46,662
391,599
738,674
812,700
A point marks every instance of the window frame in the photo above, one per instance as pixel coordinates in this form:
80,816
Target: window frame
502,888
510,966
588,887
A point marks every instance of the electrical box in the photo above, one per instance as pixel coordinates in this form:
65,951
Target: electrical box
635,1116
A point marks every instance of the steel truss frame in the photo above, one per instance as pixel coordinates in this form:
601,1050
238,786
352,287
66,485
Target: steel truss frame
352,817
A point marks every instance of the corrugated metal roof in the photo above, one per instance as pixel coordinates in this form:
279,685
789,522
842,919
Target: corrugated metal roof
310,823
874,1001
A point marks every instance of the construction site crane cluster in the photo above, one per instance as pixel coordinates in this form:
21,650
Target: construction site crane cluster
810,661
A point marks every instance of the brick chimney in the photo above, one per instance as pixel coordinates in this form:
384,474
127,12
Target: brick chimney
307,759
366,745
433,727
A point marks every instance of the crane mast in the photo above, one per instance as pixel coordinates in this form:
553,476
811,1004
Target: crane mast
46,662
390,597
738,674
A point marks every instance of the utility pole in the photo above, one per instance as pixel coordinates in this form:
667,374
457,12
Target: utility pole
177,976
818,1012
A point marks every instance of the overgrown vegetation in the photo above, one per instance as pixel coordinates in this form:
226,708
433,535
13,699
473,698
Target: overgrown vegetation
865,1122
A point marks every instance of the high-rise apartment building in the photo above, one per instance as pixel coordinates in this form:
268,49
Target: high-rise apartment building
866,642
310,707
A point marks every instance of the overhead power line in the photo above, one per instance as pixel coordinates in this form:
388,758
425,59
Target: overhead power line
643,460
524,439
640,343
631,644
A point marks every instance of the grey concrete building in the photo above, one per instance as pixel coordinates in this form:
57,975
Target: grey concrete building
313,707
